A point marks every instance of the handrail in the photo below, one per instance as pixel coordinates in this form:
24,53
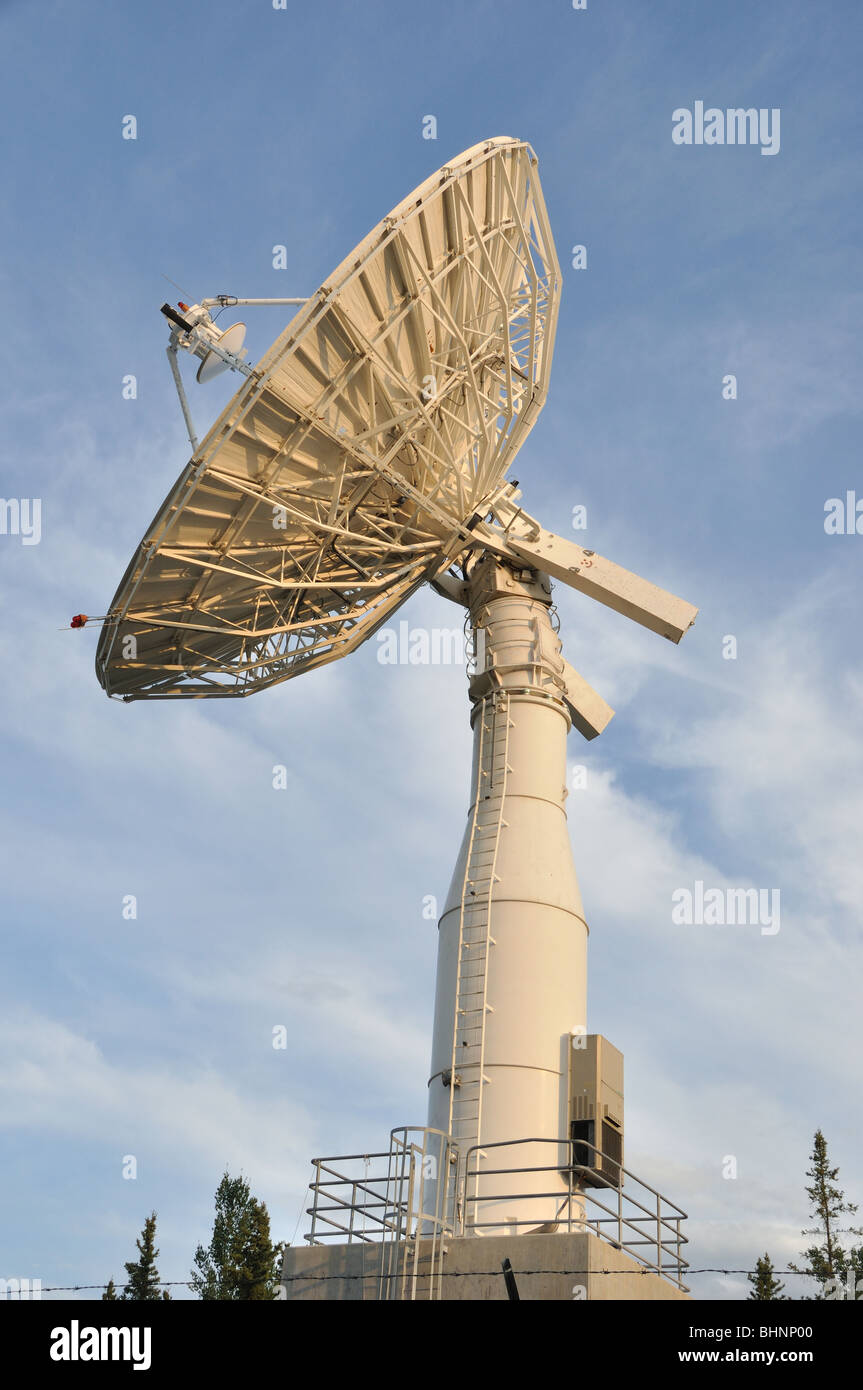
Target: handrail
660,1215
392,1205
595,1172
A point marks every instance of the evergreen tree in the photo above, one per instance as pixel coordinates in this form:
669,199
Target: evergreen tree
110,1293
241,1262
828,1261
142,1275
765,1285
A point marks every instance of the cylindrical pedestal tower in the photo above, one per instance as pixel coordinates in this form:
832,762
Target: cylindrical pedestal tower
512,951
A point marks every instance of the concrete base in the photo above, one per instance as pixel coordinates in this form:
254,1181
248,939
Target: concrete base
567,1267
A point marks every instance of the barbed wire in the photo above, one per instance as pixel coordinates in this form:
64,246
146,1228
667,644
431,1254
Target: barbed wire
442,1274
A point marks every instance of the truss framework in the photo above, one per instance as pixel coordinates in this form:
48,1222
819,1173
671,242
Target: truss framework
359,456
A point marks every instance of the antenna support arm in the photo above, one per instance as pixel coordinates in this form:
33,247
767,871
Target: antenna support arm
591,574
227,301
184,404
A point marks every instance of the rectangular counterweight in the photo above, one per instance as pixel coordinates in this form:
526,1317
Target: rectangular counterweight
587,709
600,579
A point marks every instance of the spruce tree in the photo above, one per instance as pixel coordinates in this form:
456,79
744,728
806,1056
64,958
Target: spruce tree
241,1262
110,1293
828,1261
765,1285
259,1271
142,1275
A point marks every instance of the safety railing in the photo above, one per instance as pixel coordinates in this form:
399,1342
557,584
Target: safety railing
634,1218
404,1204
408,1199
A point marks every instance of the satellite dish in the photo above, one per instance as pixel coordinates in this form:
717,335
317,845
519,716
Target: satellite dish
231,340
352,464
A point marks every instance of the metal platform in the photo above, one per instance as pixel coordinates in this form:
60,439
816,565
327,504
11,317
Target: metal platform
407,1211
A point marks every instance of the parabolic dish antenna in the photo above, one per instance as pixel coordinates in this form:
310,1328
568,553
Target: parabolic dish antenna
360,454
231,341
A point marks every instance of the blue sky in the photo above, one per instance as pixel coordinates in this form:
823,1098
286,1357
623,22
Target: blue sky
303,907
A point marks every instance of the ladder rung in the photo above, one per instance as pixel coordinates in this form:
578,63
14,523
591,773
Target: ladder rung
477,895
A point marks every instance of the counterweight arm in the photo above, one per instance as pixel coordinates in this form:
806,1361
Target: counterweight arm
524,539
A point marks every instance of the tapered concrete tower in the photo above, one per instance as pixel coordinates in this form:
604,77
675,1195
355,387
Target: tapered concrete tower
512,953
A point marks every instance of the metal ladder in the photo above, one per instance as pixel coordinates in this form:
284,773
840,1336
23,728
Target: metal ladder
467,1077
